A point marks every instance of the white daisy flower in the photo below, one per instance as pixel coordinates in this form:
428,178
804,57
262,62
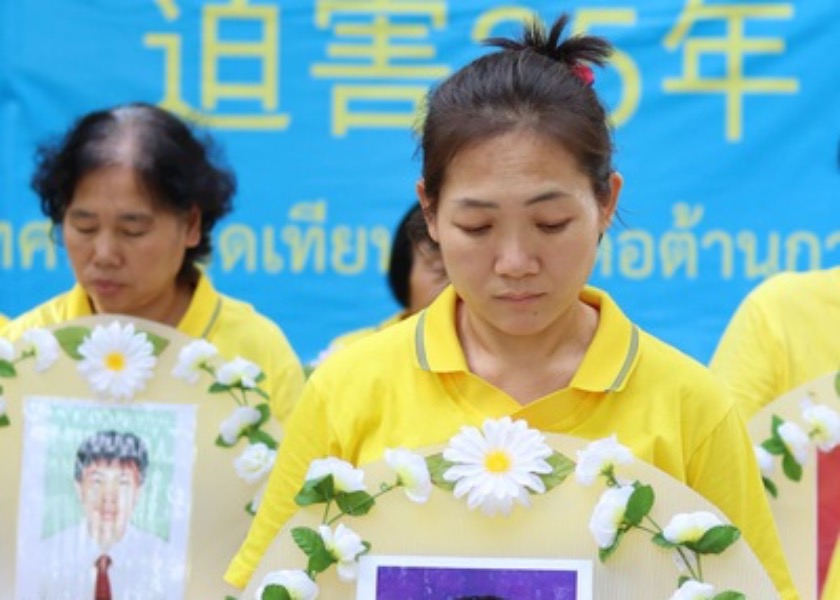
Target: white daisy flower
599,457
823,425
238,371
412,473
241,418
796,441
192,358
297,584
117,361
255,462
346,477
609,514
43,345
7,350
694,590
685,528
765,461
345,546
498,467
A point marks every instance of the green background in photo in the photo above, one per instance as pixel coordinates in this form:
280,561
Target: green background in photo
70,424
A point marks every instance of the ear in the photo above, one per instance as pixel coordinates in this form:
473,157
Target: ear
608,209
193,231
428,211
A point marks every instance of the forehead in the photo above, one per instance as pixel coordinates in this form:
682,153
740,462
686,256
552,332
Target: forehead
116,185
110,468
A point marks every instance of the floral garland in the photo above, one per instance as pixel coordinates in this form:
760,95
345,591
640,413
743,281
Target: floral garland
494,469
117,360
792,443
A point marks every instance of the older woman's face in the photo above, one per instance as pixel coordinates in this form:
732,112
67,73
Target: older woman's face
125,250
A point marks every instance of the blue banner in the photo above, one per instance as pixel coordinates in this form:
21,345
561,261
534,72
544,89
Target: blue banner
726,115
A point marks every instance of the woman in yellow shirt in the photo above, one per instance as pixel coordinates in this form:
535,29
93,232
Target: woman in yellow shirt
517,188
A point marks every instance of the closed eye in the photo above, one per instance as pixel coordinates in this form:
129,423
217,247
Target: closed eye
474,229
554,227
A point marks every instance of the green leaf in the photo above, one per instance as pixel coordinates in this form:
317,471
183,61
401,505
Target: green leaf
316,491
218,388
274,591
354,503
775,422
159,343
260,377
729,595
774,446
561,467
69,338
4,421
605,553
663,542
312,544
791,468
770,487
7,369
260,392
222,443
249,508
258,436
715,540
639,504
437,466
265,413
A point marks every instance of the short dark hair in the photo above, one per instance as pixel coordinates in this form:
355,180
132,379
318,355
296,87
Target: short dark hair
112,446
532,83
411,233
179,168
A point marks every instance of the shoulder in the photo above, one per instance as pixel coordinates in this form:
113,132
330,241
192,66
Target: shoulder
53,311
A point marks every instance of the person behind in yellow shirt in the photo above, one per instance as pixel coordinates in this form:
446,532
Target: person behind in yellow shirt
133,194
785,333
517,187
415,275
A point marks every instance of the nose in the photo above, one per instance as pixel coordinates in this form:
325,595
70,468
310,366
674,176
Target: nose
106,250
515,257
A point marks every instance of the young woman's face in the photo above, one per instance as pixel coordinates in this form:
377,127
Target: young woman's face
126,251
518,227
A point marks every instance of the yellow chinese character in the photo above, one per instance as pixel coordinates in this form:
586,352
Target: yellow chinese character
733,47
376,52
215,49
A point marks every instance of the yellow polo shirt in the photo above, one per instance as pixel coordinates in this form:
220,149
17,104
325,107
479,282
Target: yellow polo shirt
785,333
409,385
234,327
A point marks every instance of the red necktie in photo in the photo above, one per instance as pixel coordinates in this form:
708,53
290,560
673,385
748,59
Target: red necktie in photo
103,584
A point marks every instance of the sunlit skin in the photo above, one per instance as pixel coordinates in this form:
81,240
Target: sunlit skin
108,493
427,277
125,249
518,224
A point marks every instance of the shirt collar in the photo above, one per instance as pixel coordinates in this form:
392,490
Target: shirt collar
611,357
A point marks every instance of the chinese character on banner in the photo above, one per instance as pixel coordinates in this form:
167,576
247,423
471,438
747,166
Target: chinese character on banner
381,66
733,47
259,99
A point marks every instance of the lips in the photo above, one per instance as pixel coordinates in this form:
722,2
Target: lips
519,296
105,287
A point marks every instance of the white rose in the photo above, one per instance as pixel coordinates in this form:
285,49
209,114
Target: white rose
412,473
346,478
297,583
235,424
824,425
694,590
765,461
254,462
600,456
609,514
7,350
345,546
238,371
42,343
689,527
192,358
796,441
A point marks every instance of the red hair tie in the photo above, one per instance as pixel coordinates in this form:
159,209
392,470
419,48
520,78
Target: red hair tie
584,73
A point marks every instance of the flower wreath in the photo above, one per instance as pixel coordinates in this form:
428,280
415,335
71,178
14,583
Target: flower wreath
494,469
117,360
792,443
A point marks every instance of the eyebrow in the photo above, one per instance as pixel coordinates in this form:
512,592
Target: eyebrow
80,213
544,197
